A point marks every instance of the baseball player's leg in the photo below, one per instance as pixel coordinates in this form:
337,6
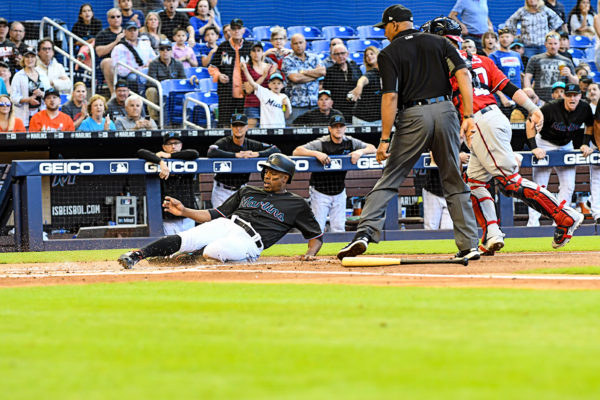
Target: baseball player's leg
221,249
219,195
174,226
566,183
445,147
540,176
337,213
320,205
446,219
595,190
414,131
432,212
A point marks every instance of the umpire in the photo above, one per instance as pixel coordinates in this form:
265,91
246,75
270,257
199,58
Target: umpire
415,69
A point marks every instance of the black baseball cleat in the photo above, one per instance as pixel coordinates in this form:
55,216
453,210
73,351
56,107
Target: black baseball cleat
357,246
470,254
129,259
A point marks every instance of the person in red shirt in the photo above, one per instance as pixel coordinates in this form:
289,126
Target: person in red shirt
51,119
491,154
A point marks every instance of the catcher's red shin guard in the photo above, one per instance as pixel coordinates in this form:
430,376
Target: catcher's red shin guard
536,197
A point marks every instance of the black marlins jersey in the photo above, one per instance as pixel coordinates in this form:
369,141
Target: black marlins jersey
272,215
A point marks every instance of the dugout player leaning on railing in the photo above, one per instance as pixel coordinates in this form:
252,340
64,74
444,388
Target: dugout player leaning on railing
251,220
180,186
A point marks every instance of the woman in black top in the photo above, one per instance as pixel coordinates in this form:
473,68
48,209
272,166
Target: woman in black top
367,92
86,27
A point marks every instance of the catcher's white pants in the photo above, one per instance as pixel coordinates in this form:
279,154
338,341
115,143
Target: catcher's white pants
222,240
541,176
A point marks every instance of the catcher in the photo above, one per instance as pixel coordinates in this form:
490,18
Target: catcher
251,220
491,153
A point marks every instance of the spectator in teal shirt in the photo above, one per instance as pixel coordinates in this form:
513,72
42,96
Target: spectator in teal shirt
96,120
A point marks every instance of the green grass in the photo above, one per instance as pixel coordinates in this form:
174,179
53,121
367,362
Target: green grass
175,340
583,270
578,243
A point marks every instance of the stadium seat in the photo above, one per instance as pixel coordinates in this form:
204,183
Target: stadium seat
580,42
370,32
356,57
577,53
207,85
267,46
384,43
248,34
342,32
199,72
64,98
196,113
355,45
318,46
262,33
309,32
174,91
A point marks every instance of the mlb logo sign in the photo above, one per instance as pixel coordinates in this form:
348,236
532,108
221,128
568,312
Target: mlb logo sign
222,166
541,161
334,164
119,167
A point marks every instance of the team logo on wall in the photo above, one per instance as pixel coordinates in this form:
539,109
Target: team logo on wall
121,167
222,166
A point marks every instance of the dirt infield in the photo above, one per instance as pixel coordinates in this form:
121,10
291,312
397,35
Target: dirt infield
497,271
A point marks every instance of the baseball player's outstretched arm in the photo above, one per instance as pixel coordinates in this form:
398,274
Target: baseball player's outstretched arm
314,245
175,207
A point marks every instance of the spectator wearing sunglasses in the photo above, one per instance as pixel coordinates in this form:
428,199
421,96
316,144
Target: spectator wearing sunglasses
8,121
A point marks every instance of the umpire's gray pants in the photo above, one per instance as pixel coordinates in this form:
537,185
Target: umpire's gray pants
432,127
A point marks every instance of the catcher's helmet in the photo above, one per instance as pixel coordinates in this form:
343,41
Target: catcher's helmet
443,26
279,162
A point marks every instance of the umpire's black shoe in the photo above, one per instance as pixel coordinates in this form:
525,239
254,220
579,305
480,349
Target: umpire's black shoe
470,254
129,259
357,246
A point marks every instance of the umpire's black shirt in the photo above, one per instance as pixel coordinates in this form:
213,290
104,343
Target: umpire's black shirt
417,65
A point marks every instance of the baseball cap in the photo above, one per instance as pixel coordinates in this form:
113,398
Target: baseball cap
256,44
239,119
30,50
557,85
276,75
236,22
563,34
131,24
121,83
3,64
165,44
171,135
327,92
51,92
503,31
572,88
395,13
337,119
3,21
516,44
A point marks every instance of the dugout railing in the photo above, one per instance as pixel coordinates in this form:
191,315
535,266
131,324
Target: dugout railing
29,223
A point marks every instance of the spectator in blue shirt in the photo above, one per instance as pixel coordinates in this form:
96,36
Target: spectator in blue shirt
96,120
510,63
474,20
129,14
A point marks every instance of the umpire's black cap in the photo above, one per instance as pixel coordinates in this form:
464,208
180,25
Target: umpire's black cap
395,13
171,135
280,162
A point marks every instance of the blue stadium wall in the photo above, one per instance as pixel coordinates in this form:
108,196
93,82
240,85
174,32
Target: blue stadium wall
283,12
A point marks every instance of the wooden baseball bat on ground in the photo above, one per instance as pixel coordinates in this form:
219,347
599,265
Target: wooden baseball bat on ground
387,261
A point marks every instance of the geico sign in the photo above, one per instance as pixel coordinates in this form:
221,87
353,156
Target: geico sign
66,168
576,159
174,166
369,163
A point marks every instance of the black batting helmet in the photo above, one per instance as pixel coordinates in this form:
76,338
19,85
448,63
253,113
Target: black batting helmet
279,162
443,26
